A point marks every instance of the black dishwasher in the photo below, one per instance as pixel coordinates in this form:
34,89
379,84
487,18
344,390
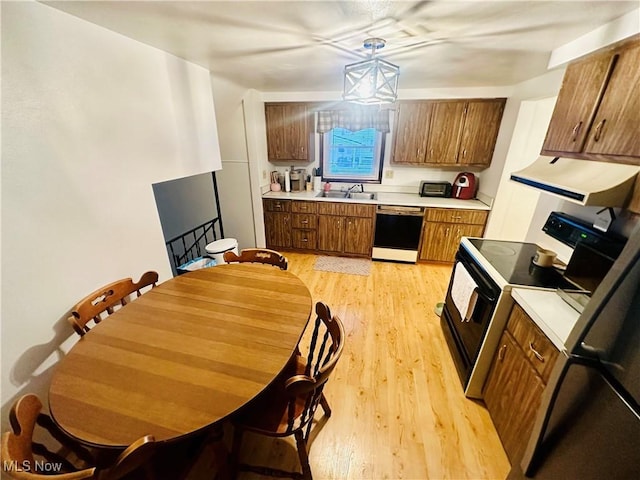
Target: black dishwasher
397,234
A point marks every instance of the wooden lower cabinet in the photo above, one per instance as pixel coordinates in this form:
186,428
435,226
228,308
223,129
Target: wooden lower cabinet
277,223
358,234
329,227
519,372
345,228
331,233
277,229
443,229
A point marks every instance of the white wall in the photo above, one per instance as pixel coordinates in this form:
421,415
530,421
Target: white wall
90,119
234,180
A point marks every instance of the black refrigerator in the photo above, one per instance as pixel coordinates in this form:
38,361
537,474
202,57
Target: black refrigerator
588,425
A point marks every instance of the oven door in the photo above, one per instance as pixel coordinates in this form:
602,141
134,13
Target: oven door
465,337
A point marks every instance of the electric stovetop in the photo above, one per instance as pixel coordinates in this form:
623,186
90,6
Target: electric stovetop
513,261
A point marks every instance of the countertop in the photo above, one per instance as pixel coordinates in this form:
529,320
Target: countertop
549,312
387,198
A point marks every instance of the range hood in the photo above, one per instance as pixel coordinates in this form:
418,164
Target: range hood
584,182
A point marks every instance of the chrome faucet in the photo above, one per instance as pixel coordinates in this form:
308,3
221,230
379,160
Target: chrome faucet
350,189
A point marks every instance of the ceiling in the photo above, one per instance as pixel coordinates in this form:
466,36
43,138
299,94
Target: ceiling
296,46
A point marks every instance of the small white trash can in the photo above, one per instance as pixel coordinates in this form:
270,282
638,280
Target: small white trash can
216,249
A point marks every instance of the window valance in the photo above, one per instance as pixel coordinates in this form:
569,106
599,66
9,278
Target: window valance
354,119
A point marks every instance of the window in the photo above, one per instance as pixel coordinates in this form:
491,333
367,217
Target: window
352,156
352,144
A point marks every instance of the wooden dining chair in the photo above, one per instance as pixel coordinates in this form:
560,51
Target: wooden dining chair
288,405
107,299
23,458
257,255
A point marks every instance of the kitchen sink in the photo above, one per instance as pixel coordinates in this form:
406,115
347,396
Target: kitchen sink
331,194
362,195
347,195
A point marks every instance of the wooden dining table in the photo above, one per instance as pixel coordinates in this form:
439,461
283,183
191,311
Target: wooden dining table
181,358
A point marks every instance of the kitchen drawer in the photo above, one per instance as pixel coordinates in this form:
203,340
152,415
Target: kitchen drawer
305,239
359,210
304,220
450,215
298,206
536,346
272,205
331,208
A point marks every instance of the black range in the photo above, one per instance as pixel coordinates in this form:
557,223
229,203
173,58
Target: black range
513,262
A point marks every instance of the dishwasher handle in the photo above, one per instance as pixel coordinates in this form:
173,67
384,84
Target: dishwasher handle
400,210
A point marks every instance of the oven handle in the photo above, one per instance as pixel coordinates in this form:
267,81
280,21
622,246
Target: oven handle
484,289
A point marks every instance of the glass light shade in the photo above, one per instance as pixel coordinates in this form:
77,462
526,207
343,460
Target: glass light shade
372,81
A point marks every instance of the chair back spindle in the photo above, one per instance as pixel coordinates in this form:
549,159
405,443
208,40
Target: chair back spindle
288,406
257,255
107,299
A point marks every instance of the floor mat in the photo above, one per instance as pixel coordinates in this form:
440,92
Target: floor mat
352,266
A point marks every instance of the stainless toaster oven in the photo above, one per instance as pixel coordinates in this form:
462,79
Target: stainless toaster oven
435,189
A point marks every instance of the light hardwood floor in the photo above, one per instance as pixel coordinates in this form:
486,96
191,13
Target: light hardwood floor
398,407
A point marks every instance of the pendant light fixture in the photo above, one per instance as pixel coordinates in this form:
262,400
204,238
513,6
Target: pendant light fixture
372,81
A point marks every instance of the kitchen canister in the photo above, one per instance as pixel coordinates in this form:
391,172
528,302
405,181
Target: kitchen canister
317,183
544,257
287,181
275,186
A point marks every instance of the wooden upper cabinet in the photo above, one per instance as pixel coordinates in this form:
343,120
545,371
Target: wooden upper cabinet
616,126
447,132
289,126
444,132
597,113
576,103
412,120
480,131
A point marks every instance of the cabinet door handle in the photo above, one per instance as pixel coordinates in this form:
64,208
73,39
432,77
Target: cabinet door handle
305,221
575,131
453,217
596,136
537,354
464,153
502,352
446,232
